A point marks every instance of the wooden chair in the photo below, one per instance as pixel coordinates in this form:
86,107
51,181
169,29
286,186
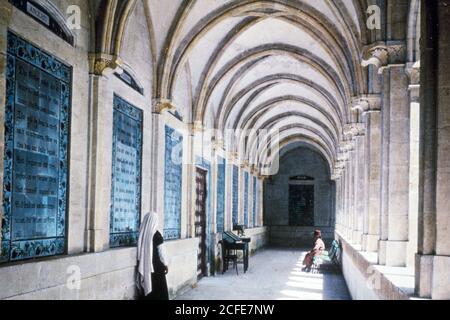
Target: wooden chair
227,257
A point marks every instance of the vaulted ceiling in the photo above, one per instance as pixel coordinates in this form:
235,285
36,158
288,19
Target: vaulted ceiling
289,65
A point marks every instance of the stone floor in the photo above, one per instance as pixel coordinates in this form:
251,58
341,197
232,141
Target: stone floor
274,274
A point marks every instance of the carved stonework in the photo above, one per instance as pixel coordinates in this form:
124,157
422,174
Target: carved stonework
377,56
217,144
367,103
197,127
163,105
233,156
381,54
245,164
339,167
104,65
413,72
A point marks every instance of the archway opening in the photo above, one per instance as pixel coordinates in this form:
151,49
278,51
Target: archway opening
299,198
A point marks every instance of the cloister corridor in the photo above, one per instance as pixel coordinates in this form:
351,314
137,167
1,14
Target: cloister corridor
143,142
274,274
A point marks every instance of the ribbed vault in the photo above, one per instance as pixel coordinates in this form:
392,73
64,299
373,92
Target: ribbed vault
292,67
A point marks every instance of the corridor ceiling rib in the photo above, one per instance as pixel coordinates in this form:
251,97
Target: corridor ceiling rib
247,74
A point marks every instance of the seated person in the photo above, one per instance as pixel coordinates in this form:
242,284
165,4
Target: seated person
317,251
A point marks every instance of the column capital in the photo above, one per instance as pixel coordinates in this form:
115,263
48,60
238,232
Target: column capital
102,64
5,13
233,155
367,103
197,127
413,72
162,105
217,144
245,164
381,54
353,130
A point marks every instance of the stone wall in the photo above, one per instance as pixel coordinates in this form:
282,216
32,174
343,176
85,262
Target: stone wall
297,237
367,280
259,238
106,275
298,162
182,255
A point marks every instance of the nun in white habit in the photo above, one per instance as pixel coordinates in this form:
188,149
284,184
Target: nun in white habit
152,261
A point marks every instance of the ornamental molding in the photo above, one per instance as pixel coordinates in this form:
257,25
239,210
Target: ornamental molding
413,72
370,103
162,105
105,64
382,54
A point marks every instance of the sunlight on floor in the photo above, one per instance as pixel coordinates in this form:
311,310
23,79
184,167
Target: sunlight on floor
302,285
273,275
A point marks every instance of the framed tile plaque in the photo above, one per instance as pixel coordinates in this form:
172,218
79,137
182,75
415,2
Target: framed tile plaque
35,185
173,177
221,176
235,196
126,174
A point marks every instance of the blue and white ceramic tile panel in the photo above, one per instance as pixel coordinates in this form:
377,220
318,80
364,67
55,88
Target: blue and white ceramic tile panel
173,176
125,215
235,195
246,187
221,167
37,125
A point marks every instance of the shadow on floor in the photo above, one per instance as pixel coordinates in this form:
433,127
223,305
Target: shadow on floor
274,274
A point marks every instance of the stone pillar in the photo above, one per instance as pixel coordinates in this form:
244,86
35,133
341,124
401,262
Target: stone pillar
433,258
360,180
396,150
389,59
337,201
99,189
413,72
348,192
157,167
191,194
372,119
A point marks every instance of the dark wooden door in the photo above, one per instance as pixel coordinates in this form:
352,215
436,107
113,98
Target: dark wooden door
301,205
200,220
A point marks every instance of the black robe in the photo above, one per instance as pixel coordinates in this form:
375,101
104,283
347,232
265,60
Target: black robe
159,282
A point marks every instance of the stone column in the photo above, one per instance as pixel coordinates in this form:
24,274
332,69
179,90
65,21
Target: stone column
337,201
99,188
348,192
389,59
396,151
413,71
360,182
433,258
191,194
157,166
349,155
370,108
